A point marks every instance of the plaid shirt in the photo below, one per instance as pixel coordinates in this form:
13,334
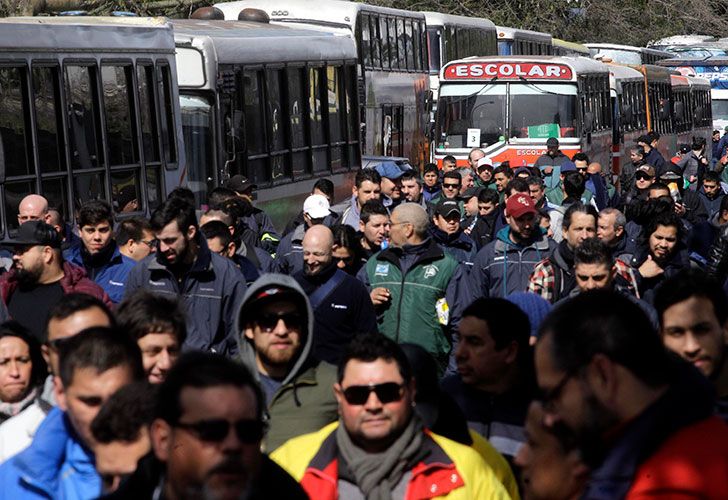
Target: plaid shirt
543,280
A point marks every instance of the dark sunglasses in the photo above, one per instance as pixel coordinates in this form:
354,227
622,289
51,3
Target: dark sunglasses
214,431
268,322
56,344
389,392
642,177
451,186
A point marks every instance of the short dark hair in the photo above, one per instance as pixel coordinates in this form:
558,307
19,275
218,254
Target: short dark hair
503,169
658,186
125,413
202,370
217,229
516,185
39,369
182,193
372,207
431,167
325,186
174,210
218,195
346,237
583,327
489,196
145,312
101,349
411,174
95,212
367,174
71,303
449,159
506,323
580,157
370,347
453,174
535,180
574,184
668,219
579,208
653,135
689,283
712,176
593,251
132,229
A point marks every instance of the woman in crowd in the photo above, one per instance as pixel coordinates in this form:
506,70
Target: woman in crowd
22,369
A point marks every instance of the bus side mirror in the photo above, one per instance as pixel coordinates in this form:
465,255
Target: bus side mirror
679,111
588,122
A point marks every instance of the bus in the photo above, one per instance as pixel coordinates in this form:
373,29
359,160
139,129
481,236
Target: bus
276,104
627,54
88,111
691,109
627,91
510,106
564,48
518,42
392,69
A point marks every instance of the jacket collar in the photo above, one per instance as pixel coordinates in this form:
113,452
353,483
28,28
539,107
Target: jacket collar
394,254
202,263
503,242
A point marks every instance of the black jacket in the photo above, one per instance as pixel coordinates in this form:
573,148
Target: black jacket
718,256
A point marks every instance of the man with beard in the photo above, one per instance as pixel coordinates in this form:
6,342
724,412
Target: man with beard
41,277
642,418
276,329
210,286
373,227
206,436
340,302
412,187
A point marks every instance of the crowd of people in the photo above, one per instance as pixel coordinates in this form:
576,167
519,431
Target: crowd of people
472,331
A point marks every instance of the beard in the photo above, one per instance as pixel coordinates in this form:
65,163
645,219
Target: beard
28,277
598,420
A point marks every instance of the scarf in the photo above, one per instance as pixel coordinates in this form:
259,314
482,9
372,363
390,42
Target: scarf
377,474
8,410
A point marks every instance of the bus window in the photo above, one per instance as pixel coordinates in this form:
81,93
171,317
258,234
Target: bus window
197,127
420,46
169,136
316,105
393,50
483,108
463,42
401,44
83,116
352,115
337,130
375,41
301,164
384,42
254,126
14,120
364,44
277,142
532,108
154,188
56,192
125,188
116,82
14,192
48,121
410,45
88,187
147,112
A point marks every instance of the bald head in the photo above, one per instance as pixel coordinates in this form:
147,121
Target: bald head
317,247
409,224
33,207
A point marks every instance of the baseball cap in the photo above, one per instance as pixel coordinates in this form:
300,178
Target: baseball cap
389,169
670,175
521,170
568,166
471,191
552,142
239,183
520,204
316,206
36,232
447,207
725,129
484,163
648,169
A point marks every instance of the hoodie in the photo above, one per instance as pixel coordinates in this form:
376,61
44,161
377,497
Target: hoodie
304,400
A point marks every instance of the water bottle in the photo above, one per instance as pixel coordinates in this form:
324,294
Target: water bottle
675,192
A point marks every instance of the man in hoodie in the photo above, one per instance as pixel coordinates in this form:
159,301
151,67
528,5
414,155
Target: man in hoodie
711,193
59,462
275,324
504,265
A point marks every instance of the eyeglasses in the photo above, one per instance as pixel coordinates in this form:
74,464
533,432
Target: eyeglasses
268,322
582,169
549,397
388,392
642,177
451,186
214,431
56,344
152,244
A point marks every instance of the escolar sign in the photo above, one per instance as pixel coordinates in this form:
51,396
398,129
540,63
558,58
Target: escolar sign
489,71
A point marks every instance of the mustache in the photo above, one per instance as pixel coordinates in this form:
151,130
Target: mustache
231,465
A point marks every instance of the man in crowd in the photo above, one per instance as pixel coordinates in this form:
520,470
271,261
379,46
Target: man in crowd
550,164
379,448
474,157
502,175
431,179
135,238
635,411
485,173
69,239
210,286
256,219
449,163
41,277
391,183
495,382
323,187
367,186
648,143
206,438
276,325
470,208
448,233
466,176
157,325
596,268
373,227
416,288
72,314
711,193
340,302
59,462
505,264
644,177
611,226
33,207
693,312
484,229
451,184
99,254
220,241
412,187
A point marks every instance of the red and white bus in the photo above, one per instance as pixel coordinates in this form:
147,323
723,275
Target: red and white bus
510,106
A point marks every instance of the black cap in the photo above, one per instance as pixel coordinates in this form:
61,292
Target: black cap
471,191
447,207
36,232
239,183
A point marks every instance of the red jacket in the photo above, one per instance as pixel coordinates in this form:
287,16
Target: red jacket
692,463
74,280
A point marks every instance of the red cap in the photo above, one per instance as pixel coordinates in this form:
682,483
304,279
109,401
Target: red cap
519,204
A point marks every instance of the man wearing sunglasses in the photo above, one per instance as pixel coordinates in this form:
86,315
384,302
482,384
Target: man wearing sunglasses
380,448
276,325
642,418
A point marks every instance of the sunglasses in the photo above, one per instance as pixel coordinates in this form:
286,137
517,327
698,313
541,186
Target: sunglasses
56,344
388,392
642,177
214,431
268,322
451,186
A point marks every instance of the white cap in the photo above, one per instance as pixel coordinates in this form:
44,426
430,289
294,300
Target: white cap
316,206
484,161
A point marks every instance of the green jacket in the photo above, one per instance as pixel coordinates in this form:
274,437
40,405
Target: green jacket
412,312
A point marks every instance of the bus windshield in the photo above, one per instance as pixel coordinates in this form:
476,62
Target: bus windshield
534,112
433,48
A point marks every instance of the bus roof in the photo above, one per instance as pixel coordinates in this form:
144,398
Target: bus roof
624,73
707,61
502,68
576,47
96,34
697,81
505,33
440,19
630,48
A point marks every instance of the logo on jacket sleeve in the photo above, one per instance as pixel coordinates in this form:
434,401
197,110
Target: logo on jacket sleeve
381,270
430,271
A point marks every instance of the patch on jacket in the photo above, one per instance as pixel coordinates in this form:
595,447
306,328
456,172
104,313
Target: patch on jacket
430,271
381,270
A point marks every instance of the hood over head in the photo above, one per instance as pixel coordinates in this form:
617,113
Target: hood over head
267,286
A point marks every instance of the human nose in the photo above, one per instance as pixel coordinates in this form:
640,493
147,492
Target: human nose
163,361
691,347
232,441
14,372
373,403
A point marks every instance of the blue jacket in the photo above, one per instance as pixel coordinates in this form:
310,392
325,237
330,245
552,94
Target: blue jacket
459,246
111,276
211,292
54,466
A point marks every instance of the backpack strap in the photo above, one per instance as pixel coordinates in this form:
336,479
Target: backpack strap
317,298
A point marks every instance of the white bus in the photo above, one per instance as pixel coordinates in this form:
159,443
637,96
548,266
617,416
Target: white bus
393,69
277,104
87,111
627,54
566,48
518,42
